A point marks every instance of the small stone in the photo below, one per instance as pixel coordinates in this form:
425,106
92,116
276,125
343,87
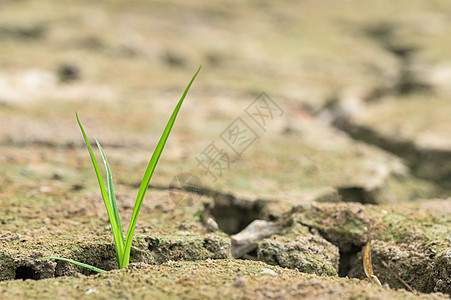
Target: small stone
136,266
90,291
244,242
183,232
212,226
268,272
45,189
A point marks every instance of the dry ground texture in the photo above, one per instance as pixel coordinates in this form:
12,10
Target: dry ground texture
313,128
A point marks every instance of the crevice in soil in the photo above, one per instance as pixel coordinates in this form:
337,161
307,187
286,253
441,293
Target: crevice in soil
346,260
424,164
231,213
356,194
25,272
428,164
347,253
26,268
384,35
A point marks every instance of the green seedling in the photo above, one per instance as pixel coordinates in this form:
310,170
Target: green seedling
123,245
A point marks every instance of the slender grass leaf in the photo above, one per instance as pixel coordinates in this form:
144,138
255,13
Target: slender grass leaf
92,268
149,172
110,188
117,234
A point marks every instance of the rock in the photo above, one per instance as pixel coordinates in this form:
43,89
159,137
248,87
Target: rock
266,271
244,241
212,226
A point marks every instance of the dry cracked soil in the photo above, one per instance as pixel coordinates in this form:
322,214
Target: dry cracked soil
314,128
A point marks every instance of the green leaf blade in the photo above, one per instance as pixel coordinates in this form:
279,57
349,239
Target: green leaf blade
92,268
149,172
110,189
117,234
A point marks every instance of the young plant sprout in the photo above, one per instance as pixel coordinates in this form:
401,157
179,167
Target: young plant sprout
123,245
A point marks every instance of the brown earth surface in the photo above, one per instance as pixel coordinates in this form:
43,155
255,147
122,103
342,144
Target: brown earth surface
327,122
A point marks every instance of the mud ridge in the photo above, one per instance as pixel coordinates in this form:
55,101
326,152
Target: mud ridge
149,250
424,163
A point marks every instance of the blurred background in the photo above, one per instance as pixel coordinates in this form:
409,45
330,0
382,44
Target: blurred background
362,87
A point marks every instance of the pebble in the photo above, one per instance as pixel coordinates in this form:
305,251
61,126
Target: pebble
268,272
212,226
